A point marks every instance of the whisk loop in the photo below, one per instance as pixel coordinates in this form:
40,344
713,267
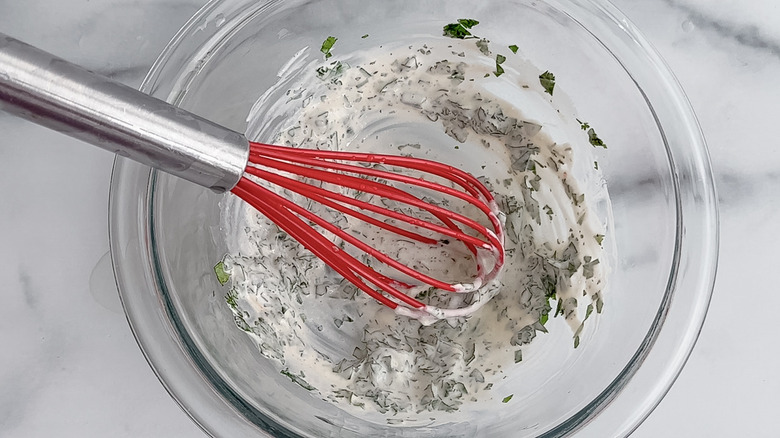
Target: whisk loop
311,174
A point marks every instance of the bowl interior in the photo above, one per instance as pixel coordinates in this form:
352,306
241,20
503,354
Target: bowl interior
241,48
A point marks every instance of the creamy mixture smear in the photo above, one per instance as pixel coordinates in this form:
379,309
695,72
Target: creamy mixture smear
432,100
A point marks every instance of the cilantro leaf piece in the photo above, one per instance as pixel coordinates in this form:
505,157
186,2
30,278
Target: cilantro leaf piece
499,60
595,140
599,238
222,276
482,45
456,30
507,398
468,23
576,341
231,298
518,356
592,137
513,48
297,379
547,80
327,45
364,36
460,29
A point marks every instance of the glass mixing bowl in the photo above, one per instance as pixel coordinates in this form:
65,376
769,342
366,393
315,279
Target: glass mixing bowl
166,236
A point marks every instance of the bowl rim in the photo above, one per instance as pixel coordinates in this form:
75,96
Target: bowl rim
621,407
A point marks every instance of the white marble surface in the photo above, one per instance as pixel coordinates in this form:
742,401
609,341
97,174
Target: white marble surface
70,367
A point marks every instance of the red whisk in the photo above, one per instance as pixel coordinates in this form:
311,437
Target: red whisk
343,169
52,92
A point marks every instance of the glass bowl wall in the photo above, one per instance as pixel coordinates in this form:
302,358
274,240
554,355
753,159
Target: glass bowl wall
165,235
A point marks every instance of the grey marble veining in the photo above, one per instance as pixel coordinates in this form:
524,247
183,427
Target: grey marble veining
747,35
725,56
112,37
70,366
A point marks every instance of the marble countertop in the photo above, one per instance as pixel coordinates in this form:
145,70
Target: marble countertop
71,368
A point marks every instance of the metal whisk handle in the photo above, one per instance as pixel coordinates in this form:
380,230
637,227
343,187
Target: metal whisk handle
52,92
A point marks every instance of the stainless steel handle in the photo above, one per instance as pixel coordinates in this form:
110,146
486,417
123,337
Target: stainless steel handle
54,93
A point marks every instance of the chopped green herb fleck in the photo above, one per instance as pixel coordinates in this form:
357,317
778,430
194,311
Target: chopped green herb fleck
499,60
518,356
599,238
424,294
460,29
222,276
547,80
588,266
549,211
297,379
592,137
507,398
327,45
364,36
513,48
576,341
559,308
332,73
483,46
468,23
595,140
455,30
231,298
596,165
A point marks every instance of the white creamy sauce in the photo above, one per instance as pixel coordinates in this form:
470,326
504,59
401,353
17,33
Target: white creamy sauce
433,101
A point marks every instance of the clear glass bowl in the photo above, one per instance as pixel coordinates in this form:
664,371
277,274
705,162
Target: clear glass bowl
165,235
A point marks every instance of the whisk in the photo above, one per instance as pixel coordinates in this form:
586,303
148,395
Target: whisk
54,93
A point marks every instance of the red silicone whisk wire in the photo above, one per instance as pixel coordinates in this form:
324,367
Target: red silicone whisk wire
283,166
258,153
